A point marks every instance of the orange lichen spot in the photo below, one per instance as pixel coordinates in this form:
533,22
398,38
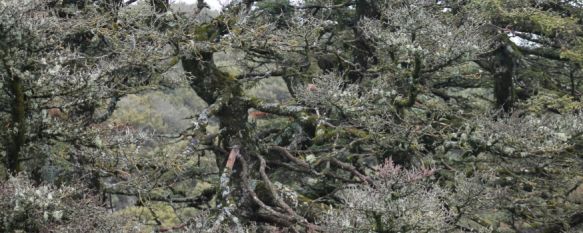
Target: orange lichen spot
258,115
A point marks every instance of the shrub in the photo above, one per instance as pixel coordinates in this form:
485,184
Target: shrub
405,200
45,208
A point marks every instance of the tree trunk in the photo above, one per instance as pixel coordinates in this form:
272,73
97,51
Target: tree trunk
503,75
226,101
18,136
160,6
364,54
501,63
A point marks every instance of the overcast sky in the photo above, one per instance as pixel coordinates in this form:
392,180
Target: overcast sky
217,4
214,4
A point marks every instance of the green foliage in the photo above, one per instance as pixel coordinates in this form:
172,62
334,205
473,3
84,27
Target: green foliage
549,23
575,53
275,7
546,101
151,213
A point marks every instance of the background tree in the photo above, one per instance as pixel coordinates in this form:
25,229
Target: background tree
60,75
63,69
532,34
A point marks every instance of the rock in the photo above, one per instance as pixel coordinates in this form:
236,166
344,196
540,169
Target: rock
508,150
473,98
3,172
120,202
505,228
496,218
454,155
562,137
270,89
576,195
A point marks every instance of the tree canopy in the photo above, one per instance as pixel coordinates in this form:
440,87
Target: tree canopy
394,116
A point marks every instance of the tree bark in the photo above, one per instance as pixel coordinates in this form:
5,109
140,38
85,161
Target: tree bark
364,52
501,64
160,6
18,137
503,75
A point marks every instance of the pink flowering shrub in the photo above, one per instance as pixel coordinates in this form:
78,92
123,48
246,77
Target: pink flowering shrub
400,200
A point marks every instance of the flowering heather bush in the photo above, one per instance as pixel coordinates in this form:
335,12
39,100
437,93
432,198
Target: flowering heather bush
404,200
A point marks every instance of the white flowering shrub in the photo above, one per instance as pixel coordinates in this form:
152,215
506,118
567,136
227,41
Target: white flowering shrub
44,208
525,136
29,208
410,27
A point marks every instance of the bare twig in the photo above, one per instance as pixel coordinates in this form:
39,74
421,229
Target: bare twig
352,169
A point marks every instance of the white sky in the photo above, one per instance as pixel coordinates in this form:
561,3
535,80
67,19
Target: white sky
214,4
218,4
